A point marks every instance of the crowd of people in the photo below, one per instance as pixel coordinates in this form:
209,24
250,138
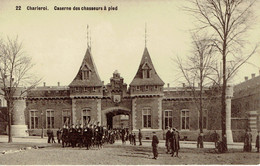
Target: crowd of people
89,136
95,136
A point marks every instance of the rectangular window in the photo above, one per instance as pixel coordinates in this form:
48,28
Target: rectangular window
167,118
34,119
50,118
147,118
94,89
85,89
185,120
66,117
86,117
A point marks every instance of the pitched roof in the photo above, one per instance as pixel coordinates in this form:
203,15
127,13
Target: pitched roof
248,87
154,79
89,64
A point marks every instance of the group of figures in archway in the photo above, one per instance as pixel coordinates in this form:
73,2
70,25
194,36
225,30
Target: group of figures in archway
89,136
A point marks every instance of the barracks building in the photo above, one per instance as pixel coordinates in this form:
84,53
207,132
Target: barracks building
145,104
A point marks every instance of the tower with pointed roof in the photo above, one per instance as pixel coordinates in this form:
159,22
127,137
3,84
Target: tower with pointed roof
146,91
86,91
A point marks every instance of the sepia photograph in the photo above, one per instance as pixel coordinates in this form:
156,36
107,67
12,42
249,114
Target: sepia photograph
129,82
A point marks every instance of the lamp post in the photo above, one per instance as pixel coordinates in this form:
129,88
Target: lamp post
42,124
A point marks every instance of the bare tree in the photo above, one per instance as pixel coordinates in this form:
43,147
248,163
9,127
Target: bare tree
15,68
201,67
228,20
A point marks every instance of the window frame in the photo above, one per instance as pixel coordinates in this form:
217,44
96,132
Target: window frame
35,112
68,114
168,118
51,121
149,110
88,114
185,117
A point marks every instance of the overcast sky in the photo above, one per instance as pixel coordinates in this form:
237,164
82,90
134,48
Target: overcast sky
57,42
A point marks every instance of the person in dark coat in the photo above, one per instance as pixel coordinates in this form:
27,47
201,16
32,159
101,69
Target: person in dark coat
59,135
215,137
52,137
167,141
123,136
155,143
49,135
134,139
175,142
257,143
72,136
65,136
248,141
200,141
140,136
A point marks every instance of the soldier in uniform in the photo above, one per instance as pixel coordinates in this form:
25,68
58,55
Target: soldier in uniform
59,135
155,143
167,142
134,139
175,144
215,137
257,143
248,141
140,136
123,136
72,136
64,137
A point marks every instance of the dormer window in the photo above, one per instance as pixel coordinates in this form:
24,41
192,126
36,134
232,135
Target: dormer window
94,89
146,70
86,72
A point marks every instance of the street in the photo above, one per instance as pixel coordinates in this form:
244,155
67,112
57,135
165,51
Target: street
124,154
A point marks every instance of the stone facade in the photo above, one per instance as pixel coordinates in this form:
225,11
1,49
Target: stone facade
246,108
148,104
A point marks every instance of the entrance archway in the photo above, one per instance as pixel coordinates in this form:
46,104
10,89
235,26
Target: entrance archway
108,114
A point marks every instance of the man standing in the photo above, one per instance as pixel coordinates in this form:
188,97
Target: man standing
248,141
155,143
140,136
59,135
167,142
257,142
215,138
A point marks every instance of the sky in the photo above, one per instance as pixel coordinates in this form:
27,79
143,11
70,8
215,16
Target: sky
57,40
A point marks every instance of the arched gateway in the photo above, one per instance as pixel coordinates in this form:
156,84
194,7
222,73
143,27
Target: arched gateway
108,114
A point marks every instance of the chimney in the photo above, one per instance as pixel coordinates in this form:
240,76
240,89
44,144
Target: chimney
58,83
253,75
168,85
183,84
44,84
246,78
